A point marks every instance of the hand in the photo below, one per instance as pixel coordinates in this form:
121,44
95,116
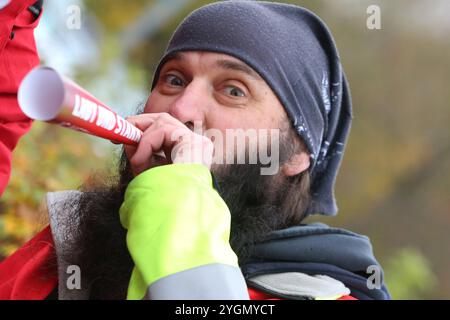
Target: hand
162,132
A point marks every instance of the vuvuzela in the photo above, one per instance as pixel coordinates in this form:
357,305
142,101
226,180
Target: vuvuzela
46,95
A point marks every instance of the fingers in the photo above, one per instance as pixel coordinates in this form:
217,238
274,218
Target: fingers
161,132
156,143
145,155
141,159
145,120
141,122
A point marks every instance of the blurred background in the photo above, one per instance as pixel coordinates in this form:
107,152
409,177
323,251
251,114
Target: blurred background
395,180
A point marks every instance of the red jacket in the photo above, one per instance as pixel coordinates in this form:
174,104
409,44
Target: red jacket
18,55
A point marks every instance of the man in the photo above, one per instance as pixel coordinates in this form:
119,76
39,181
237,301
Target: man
187,226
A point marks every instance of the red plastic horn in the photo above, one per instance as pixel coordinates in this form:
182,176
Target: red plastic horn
46,95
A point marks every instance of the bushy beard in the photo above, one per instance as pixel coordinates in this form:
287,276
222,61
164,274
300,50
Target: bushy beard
258,204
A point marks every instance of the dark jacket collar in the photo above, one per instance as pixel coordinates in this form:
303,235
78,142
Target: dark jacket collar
320,249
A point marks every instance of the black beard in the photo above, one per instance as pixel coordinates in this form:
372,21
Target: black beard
258,205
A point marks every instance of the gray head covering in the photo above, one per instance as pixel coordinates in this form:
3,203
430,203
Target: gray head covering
294,52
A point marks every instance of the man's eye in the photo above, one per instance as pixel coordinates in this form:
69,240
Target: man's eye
234,91
174,80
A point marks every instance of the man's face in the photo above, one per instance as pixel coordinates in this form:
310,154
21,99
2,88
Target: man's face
217,91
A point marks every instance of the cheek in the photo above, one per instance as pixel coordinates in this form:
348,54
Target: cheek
157,103
227,147
252,118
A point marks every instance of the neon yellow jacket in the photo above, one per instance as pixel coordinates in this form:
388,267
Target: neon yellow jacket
178,236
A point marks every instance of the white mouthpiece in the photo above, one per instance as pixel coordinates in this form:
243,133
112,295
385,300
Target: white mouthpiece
41,94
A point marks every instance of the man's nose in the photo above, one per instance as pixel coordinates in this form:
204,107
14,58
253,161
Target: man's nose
192,104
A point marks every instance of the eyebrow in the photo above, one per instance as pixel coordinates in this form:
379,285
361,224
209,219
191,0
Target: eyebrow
223,64
238,66
174,56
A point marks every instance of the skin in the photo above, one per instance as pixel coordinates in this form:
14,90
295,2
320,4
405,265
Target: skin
215,89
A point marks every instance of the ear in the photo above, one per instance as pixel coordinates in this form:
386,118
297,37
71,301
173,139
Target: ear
296,164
